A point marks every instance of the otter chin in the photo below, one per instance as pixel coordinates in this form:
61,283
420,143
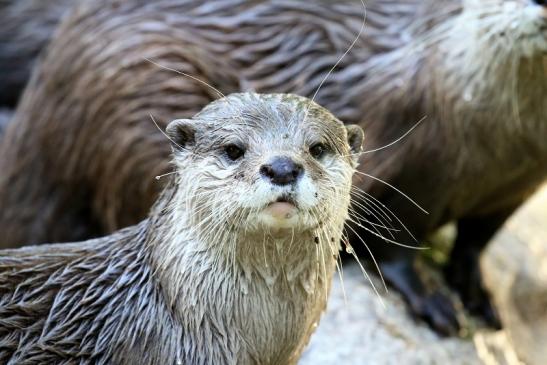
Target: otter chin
285,212
280,214
233,264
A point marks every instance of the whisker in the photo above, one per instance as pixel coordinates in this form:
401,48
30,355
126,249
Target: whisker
371,210
394,188
352,252
345,53
163,175
379,225
340,270
372,199
372,257
351,219
398,139
220,94
387,239
162,132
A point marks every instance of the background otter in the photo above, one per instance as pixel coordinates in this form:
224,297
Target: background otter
221,272
5,116
84,140
25,28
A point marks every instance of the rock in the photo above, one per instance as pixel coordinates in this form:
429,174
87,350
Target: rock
515,272
361,330
495,349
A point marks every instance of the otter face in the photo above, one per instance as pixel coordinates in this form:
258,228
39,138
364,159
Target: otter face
517,25
265,163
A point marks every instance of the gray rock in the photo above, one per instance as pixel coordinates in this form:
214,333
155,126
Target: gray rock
495,349
515,271
361,331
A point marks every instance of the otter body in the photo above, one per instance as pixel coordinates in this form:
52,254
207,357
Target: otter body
232,266
5,116
25,28
474,70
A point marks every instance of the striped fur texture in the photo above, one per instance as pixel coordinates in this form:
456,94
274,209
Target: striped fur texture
204,279
82,151
25,28
406,65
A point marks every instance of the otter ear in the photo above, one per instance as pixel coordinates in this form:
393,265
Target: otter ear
181,132
356,137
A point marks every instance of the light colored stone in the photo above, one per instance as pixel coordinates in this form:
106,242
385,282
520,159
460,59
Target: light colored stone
361,331
515,271
495,349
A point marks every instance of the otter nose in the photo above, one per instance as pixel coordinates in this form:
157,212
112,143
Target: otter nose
282,171
541,2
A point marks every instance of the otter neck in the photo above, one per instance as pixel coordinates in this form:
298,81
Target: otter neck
259,285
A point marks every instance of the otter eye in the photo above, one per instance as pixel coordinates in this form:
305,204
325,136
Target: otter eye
234,152
318,150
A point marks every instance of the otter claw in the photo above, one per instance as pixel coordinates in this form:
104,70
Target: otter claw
439,312
433,307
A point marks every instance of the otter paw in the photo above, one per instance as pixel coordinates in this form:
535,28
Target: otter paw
429,304
438,311
476,300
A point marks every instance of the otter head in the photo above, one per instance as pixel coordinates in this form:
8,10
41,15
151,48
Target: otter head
264,163
517,26
482,64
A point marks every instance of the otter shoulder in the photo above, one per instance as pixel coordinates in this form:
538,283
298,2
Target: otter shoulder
66,301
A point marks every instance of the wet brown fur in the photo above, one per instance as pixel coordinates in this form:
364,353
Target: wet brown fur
206,278
114,102
107,181
25,29
83,152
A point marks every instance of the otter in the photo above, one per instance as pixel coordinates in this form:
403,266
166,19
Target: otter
232,266
25,28
83,152
5,116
